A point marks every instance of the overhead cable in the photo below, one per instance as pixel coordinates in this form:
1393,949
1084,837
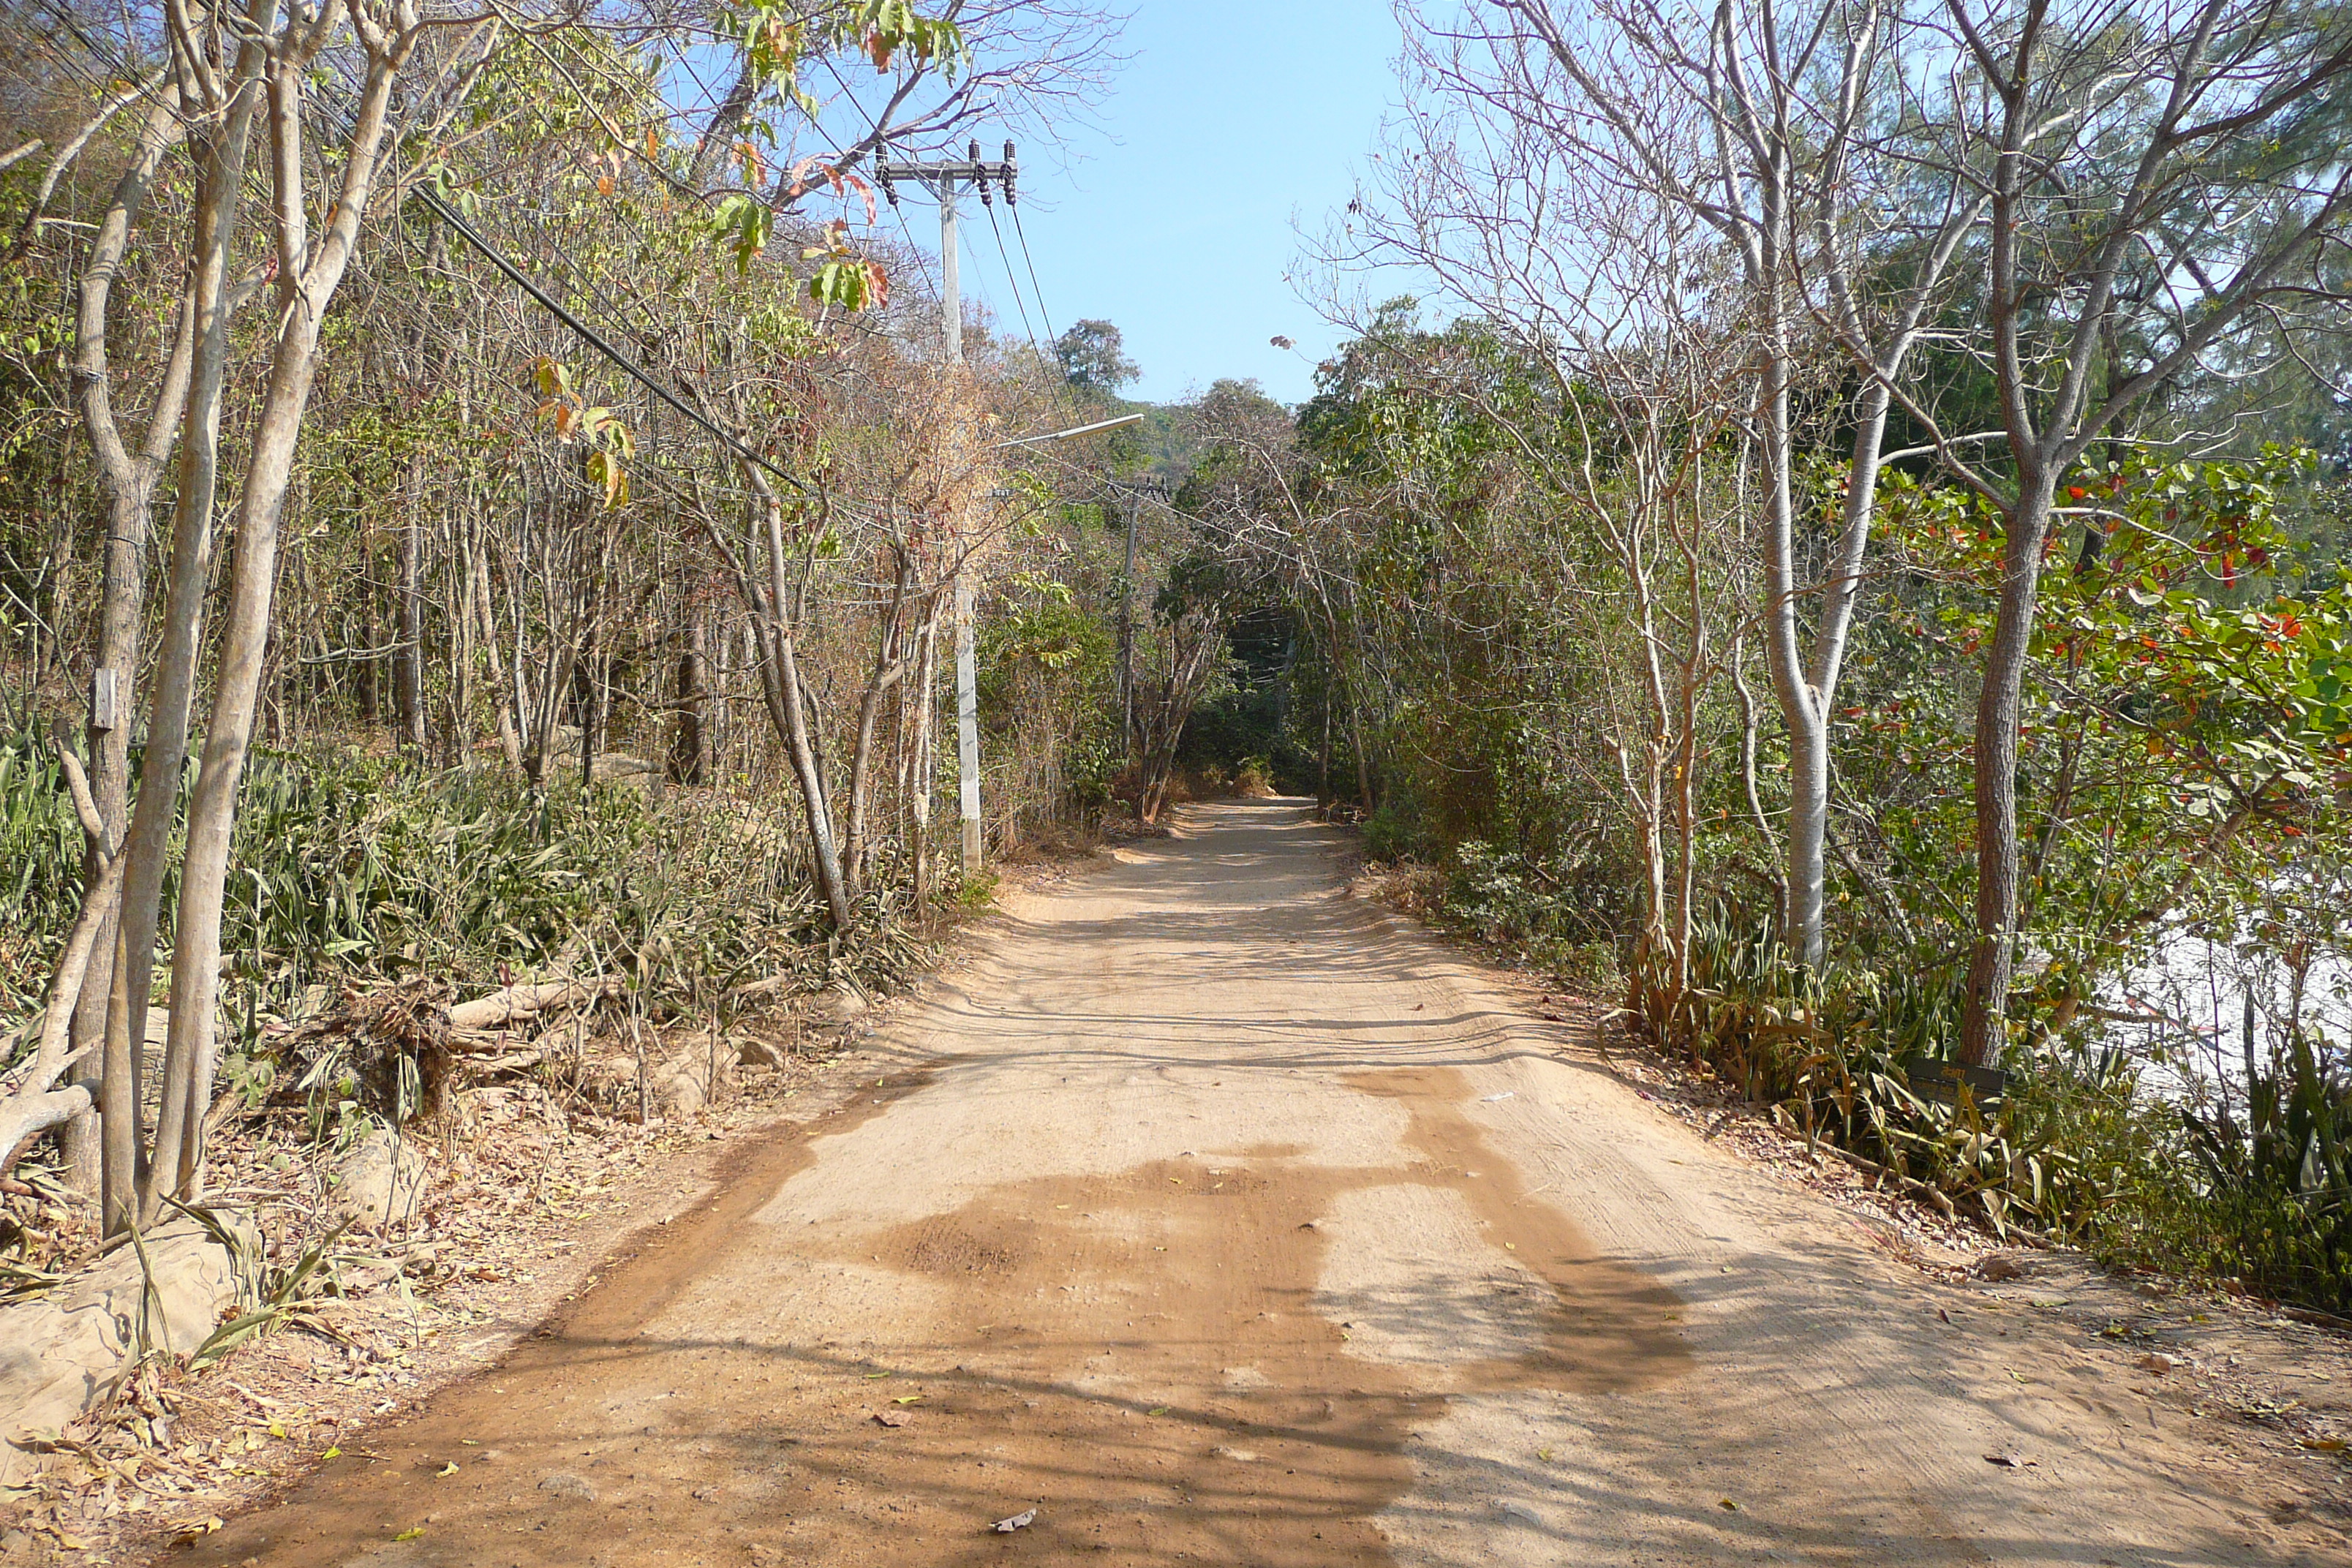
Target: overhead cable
1005,257
594,338
1038,288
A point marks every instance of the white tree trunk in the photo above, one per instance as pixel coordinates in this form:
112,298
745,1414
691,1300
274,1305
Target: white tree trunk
128,477
220,177
309,277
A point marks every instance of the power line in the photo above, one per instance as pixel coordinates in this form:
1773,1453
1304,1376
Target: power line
328,103
595,340
1002,255
1033,284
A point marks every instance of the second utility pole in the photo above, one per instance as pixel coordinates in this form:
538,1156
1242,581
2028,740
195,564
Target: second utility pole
943,178
1131,493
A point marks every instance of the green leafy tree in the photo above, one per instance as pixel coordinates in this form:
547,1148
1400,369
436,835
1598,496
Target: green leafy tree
1092,359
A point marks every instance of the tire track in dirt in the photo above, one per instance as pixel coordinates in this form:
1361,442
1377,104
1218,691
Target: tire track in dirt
1139,1356
1234,1223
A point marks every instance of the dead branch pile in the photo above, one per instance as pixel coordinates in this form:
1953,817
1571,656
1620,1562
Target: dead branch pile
391,1045
397,1050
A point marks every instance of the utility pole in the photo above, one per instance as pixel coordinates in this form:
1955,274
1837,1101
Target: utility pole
1131,494
943,178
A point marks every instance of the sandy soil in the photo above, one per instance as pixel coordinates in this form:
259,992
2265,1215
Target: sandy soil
1219,1218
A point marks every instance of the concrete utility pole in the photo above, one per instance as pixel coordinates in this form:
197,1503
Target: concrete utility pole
1130,494
942,179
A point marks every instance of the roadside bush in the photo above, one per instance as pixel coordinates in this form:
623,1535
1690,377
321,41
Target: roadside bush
1241,731
1562,919
2293,1245
41,869
2080,1148
1253,779
352,868
1390,833
2273,1197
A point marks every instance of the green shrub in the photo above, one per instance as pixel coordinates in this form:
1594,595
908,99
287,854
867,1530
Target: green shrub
349,867
1253,778
40,871
1389,832
1562,918
2078,1148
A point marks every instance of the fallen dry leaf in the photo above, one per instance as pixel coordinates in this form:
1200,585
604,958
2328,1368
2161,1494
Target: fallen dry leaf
2009,1461
888,1418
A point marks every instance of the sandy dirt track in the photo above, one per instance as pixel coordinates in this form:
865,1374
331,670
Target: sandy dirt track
1222,1219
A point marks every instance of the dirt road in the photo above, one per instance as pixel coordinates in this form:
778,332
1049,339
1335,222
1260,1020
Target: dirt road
1221,1219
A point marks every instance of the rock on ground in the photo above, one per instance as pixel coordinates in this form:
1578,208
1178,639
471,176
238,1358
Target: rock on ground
379,1182
65,1352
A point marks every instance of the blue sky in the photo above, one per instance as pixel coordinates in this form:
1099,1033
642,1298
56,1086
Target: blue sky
1174,218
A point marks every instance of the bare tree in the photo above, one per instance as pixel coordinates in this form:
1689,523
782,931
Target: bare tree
1012,64
1619,301
129,473
1774,125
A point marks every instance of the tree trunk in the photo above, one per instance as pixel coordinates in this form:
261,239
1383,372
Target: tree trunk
773,625
371,705
506,699
1806,695
220,176
889,665
1352,687
1737,666
1983,1018
1323,756
786,681
584,673
408,615
922,779
128,480
191,1054
589,675
457,589
1801,708
690,752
